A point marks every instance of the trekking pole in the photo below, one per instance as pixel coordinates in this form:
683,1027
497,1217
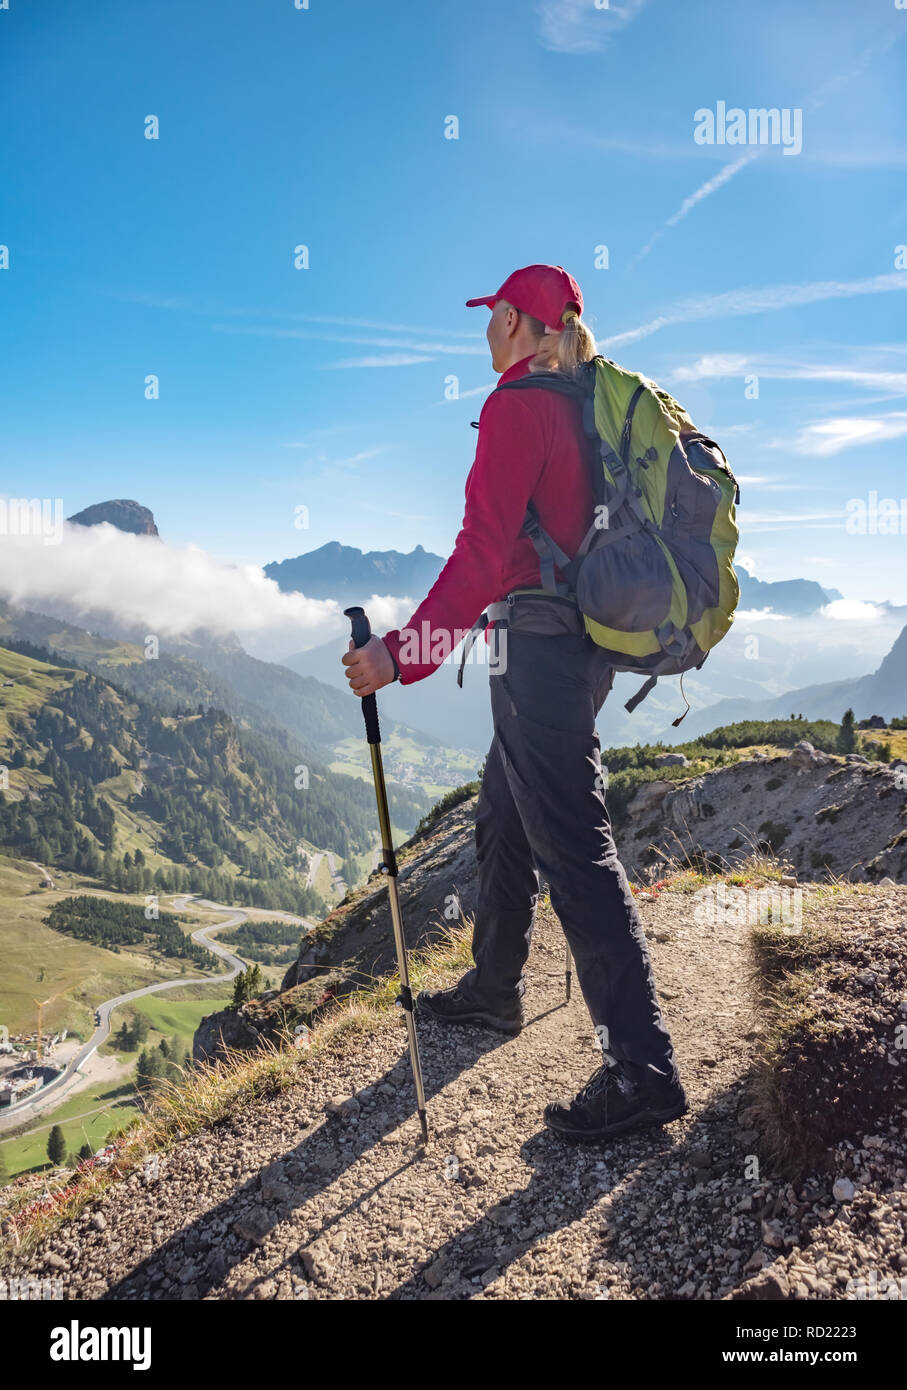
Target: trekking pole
568,972
361,633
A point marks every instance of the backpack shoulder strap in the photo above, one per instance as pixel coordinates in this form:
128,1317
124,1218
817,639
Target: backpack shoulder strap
547,549
548,381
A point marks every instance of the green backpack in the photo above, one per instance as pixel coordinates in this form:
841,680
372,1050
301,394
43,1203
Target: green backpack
654,576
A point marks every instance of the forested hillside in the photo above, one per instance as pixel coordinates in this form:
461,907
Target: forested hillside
105,922
104,783
257,694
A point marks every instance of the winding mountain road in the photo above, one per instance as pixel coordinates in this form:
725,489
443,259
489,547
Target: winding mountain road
73,1075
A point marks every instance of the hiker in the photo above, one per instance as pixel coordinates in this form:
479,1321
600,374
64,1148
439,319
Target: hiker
541,810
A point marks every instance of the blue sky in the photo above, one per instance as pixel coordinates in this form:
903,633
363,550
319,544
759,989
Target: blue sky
324,388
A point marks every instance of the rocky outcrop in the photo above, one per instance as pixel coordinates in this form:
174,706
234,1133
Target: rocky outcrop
123,513
220,1032
437,886
822,814
275,1017
355,943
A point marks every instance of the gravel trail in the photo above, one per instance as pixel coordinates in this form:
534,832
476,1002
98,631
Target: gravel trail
324,1192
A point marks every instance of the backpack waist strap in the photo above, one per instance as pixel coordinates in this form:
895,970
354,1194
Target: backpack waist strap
546,615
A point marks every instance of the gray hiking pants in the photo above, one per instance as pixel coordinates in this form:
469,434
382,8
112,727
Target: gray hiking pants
541,811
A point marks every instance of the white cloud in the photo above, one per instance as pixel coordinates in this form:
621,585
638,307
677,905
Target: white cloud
397,359
760,615
642,145
771,298
712,366
381,324
360,457
186,304
775,485
467,349
805,521
576,26
746,562
169,590
718,366
844,432
712,185
851,610
722,431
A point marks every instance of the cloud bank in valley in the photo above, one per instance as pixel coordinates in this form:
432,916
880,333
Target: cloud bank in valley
173,591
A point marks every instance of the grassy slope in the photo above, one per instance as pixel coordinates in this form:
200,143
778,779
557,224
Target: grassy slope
34,684
89,1116
896,737
76,975
86,1118
82,645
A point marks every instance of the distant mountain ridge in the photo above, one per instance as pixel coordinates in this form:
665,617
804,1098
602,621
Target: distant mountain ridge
347,574
883,691
350,575
793,597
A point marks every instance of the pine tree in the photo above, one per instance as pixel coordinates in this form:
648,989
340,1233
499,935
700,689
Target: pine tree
248,986
56,1146
846,741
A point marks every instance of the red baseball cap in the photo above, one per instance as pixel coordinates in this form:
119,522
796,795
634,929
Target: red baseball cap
544,291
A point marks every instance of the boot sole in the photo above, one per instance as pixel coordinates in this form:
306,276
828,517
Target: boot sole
646,1119
488,1020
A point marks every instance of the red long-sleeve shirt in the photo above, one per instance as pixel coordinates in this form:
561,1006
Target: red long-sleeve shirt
531,446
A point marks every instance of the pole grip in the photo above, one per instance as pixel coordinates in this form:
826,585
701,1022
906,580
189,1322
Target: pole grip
361,632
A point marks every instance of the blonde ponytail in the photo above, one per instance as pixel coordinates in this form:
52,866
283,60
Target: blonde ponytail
567,349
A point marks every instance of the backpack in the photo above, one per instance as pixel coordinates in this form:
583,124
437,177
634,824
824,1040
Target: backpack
653,577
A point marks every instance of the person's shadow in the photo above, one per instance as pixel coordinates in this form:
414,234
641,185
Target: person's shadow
311,1166
569,1179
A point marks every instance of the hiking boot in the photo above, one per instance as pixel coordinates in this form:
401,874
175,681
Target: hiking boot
457,1005
616,1099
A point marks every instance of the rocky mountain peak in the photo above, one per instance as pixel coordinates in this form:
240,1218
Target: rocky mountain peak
123,513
